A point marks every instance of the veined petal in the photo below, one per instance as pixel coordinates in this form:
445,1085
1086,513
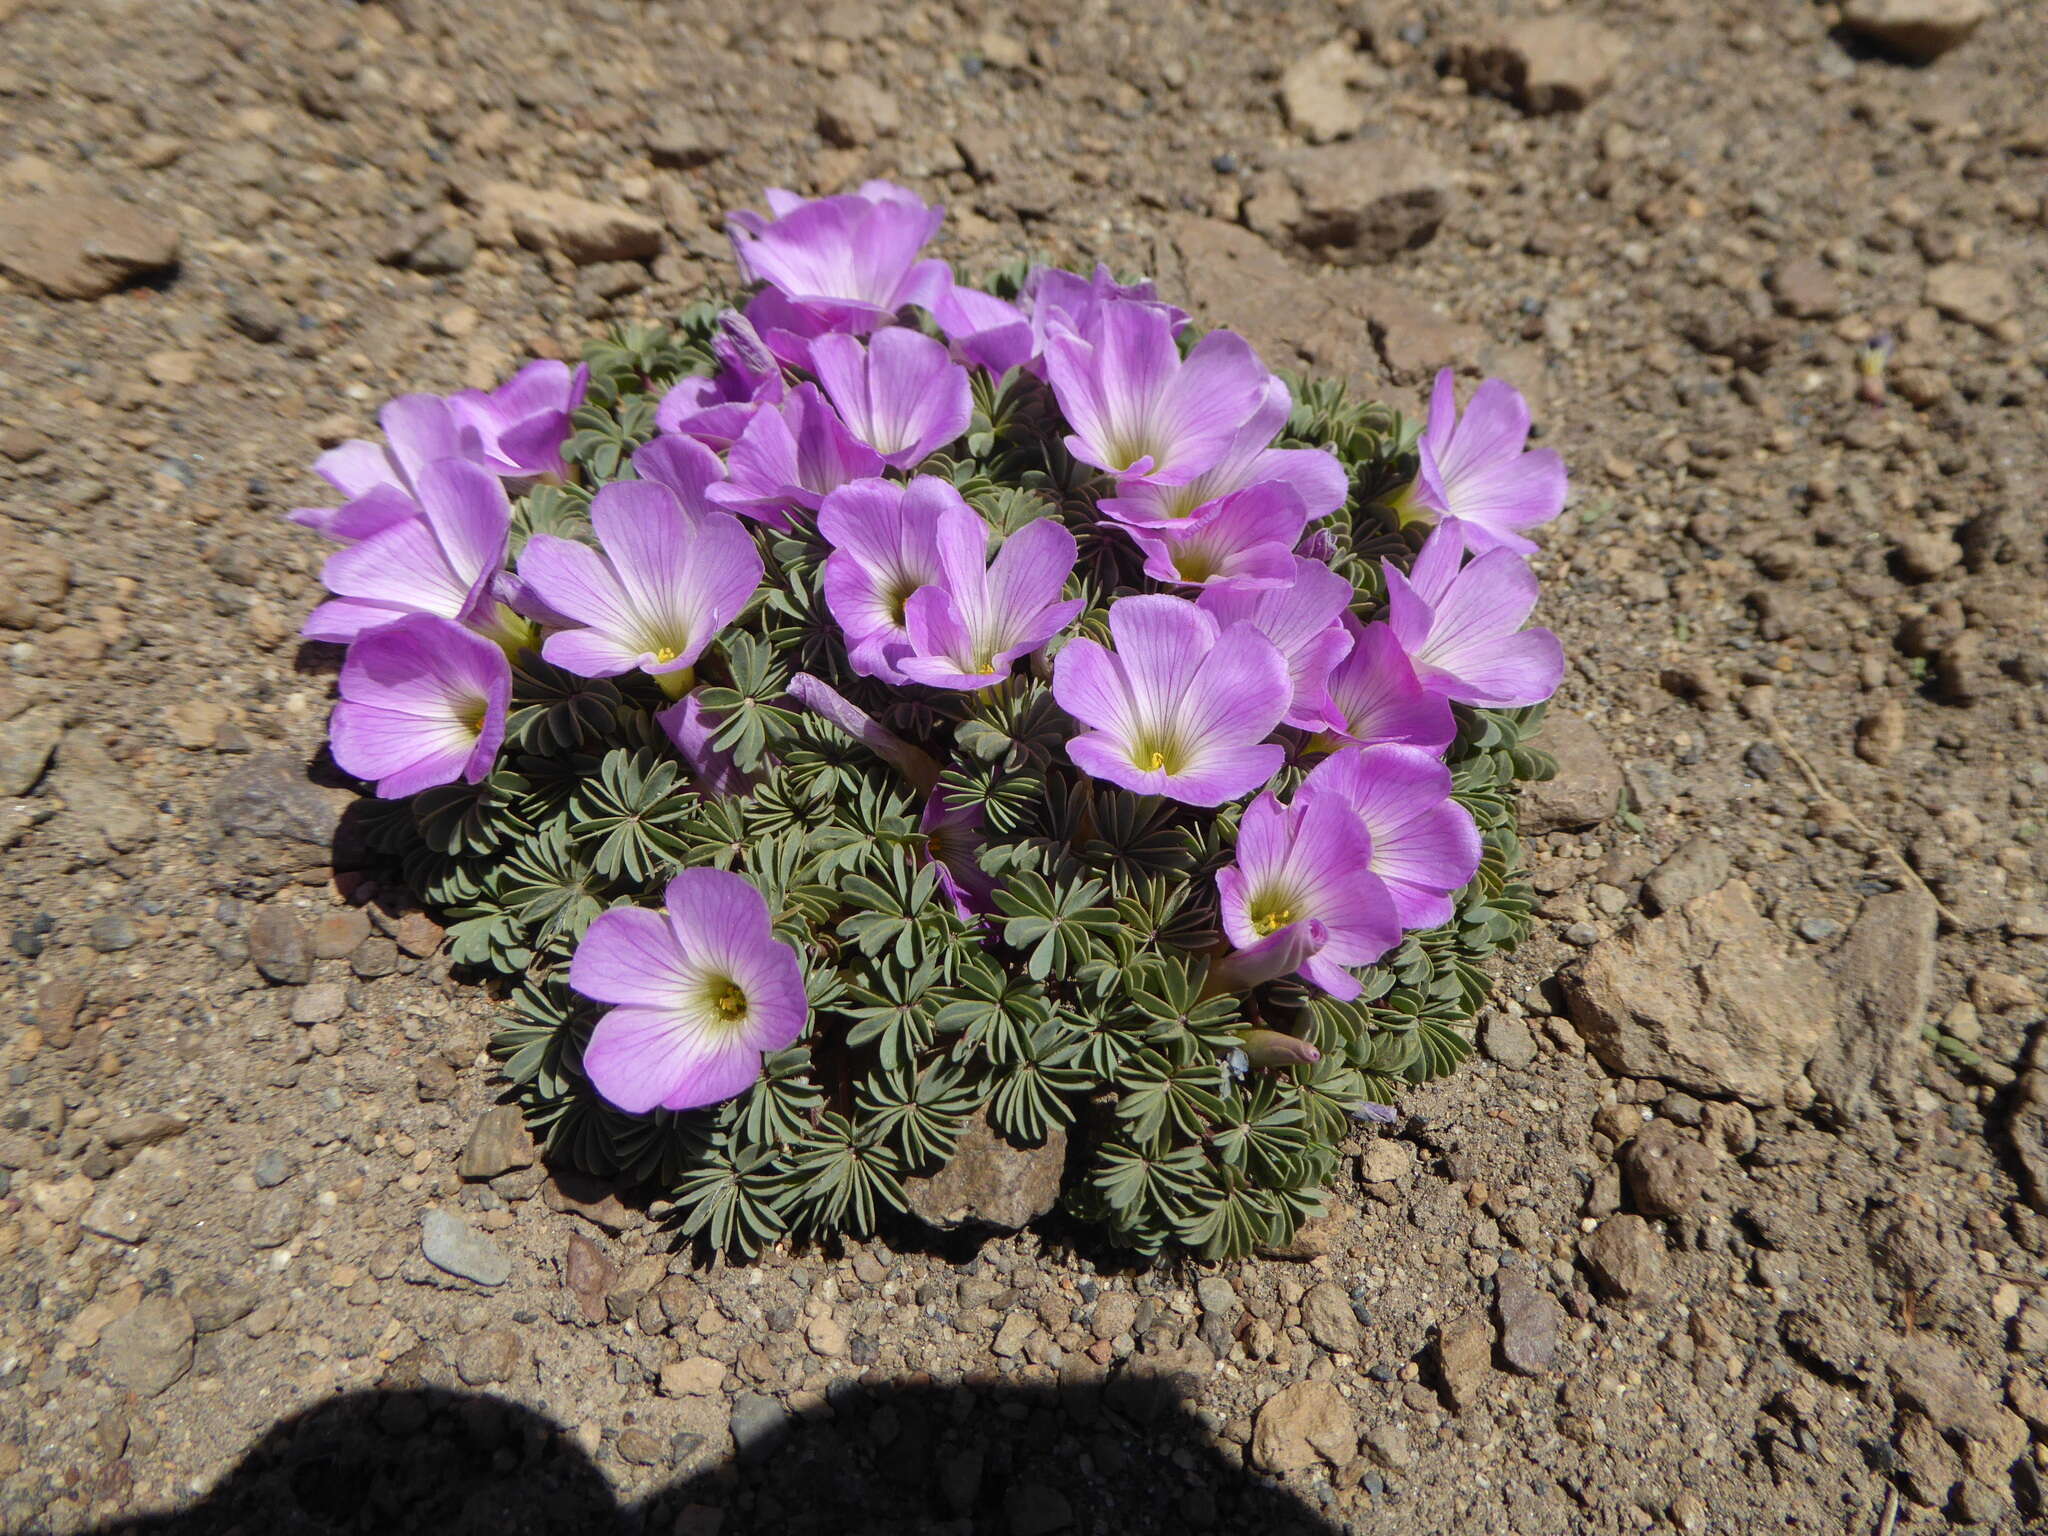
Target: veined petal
685,466
629,955
576,582
1238,693
403,567
716,915
1089,684
639,1058
465,505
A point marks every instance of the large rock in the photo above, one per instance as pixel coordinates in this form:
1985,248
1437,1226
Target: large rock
1625,1257
1915,29
498,1143
1543,63
1884,973
1464,1358
1587,787
577,228
1298,320
1350,203
2026,1124
1706,998
150,1348
1532,1323
33,583
1931,1376
27,744
451,1245
271,817
1668,1172
1301,1423
1981,296
1321,92
82,245
991,1182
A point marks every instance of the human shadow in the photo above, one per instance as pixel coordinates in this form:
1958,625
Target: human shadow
902,1459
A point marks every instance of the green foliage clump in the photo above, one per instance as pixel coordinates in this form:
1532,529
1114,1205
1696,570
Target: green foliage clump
1084,1004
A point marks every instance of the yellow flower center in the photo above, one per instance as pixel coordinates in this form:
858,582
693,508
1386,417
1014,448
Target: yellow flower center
1272,921
730,1003
1156,755
472,714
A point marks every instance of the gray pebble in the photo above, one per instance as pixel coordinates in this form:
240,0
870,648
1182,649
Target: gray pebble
271,1169
320,1004
759,1425
113,933
450,1245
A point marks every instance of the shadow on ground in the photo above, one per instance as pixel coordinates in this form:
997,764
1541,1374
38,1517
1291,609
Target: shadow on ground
897,1460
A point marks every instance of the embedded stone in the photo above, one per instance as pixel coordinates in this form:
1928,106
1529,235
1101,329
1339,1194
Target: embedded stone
990,1181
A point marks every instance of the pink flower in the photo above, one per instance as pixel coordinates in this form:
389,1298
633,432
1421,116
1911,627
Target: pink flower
1374,694
1246,540
699,991
1462,626
1309,864
1180,708
1302,620
900,394
443,558
1138,408
1424,844
423,702
665,584
1474,470
967,627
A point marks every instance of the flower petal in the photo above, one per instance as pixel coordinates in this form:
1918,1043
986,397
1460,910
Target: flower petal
629,955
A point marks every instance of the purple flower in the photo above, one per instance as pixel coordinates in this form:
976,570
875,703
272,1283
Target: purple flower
900,394
666,583
1180,708
885,546
1246,540
793,455
980,615
523,423
1301,619
952,838
1061,300
699,993
685,466
716,410
1137,408
1309,862
1280,953
1248,460
423,702
986,331
843,263
1375,695
688,731
443,560
379,481
1462,628
1424,844
1474,469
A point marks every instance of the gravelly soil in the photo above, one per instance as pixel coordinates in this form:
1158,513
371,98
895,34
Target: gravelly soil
1573,1289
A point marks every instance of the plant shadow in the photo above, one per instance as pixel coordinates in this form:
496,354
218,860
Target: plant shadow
949,1460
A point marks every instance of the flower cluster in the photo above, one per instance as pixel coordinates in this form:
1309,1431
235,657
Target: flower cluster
1015,668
